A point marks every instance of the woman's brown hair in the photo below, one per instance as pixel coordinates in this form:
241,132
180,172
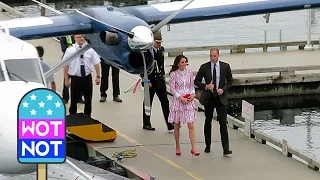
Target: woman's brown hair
176,62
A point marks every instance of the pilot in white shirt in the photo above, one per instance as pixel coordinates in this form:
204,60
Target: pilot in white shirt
80,71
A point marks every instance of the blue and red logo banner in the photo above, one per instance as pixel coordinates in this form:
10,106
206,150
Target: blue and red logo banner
41,128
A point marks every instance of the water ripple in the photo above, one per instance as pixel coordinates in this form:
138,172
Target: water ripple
303,134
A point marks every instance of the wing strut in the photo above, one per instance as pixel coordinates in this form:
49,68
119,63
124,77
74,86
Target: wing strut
73,166
60,65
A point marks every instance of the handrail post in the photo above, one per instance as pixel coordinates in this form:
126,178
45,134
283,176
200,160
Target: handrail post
43,10
319,41
309,46
284,47
280,35
265,47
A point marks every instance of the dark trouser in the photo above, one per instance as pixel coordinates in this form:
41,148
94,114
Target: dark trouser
65,92
105,69
78,85
222,118
163,97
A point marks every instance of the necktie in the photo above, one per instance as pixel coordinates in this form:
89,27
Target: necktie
82,70
214,75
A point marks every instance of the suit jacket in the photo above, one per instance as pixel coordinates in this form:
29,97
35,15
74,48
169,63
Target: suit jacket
157,76
225,83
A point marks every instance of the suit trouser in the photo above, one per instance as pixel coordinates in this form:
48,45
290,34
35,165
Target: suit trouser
65,92
105,69
78,85
163,98
221,117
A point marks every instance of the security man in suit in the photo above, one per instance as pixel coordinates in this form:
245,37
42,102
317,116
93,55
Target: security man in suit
80,71
105,69
218,80
157,84
66,42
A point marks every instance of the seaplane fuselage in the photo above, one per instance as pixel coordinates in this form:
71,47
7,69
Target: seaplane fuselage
20,72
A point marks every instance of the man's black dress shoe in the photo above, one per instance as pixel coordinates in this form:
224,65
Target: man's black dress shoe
225,153
207,149
117,99
150,128
171,127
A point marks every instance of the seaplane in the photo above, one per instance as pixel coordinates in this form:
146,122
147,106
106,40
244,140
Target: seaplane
123,37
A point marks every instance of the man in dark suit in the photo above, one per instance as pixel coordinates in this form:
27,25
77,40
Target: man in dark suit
218,80
157,84
105,68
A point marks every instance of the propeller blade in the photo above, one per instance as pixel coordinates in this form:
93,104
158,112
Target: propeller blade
130,34
147,106
169,18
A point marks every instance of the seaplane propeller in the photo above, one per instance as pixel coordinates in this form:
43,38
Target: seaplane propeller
140,39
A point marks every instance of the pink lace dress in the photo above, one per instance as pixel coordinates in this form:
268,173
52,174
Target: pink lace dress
181,83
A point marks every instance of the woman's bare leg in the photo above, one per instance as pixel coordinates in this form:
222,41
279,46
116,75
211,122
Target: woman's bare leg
192,137
176,133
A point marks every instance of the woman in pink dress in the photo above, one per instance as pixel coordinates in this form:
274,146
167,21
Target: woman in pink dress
182,107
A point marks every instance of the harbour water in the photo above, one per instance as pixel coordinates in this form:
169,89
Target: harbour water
296,119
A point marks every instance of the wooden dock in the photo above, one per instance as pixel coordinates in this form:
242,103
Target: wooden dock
156,150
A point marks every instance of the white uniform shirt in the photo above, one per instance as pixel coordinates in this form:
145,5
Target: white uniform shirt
90,58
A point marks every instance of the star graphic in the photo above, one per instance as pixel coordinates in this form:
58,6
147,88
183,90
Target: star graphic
33,112
58,104
49,97
49,112
41,104
33,97
25,104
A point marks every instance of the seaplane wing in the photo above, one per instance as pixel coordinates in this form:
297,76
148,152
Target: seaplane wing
30,28
53,26
215,9
64,172
198,10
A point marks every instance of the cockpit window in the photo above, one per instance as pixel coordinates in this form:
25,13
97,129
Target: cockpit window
24,70
1,74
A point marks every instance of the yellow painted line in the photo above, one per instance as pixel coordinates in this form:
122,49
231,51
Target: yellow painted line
166,160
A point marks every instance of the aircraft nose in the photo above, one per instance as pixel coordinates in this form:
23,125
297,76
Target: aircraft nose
10,94
142,40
